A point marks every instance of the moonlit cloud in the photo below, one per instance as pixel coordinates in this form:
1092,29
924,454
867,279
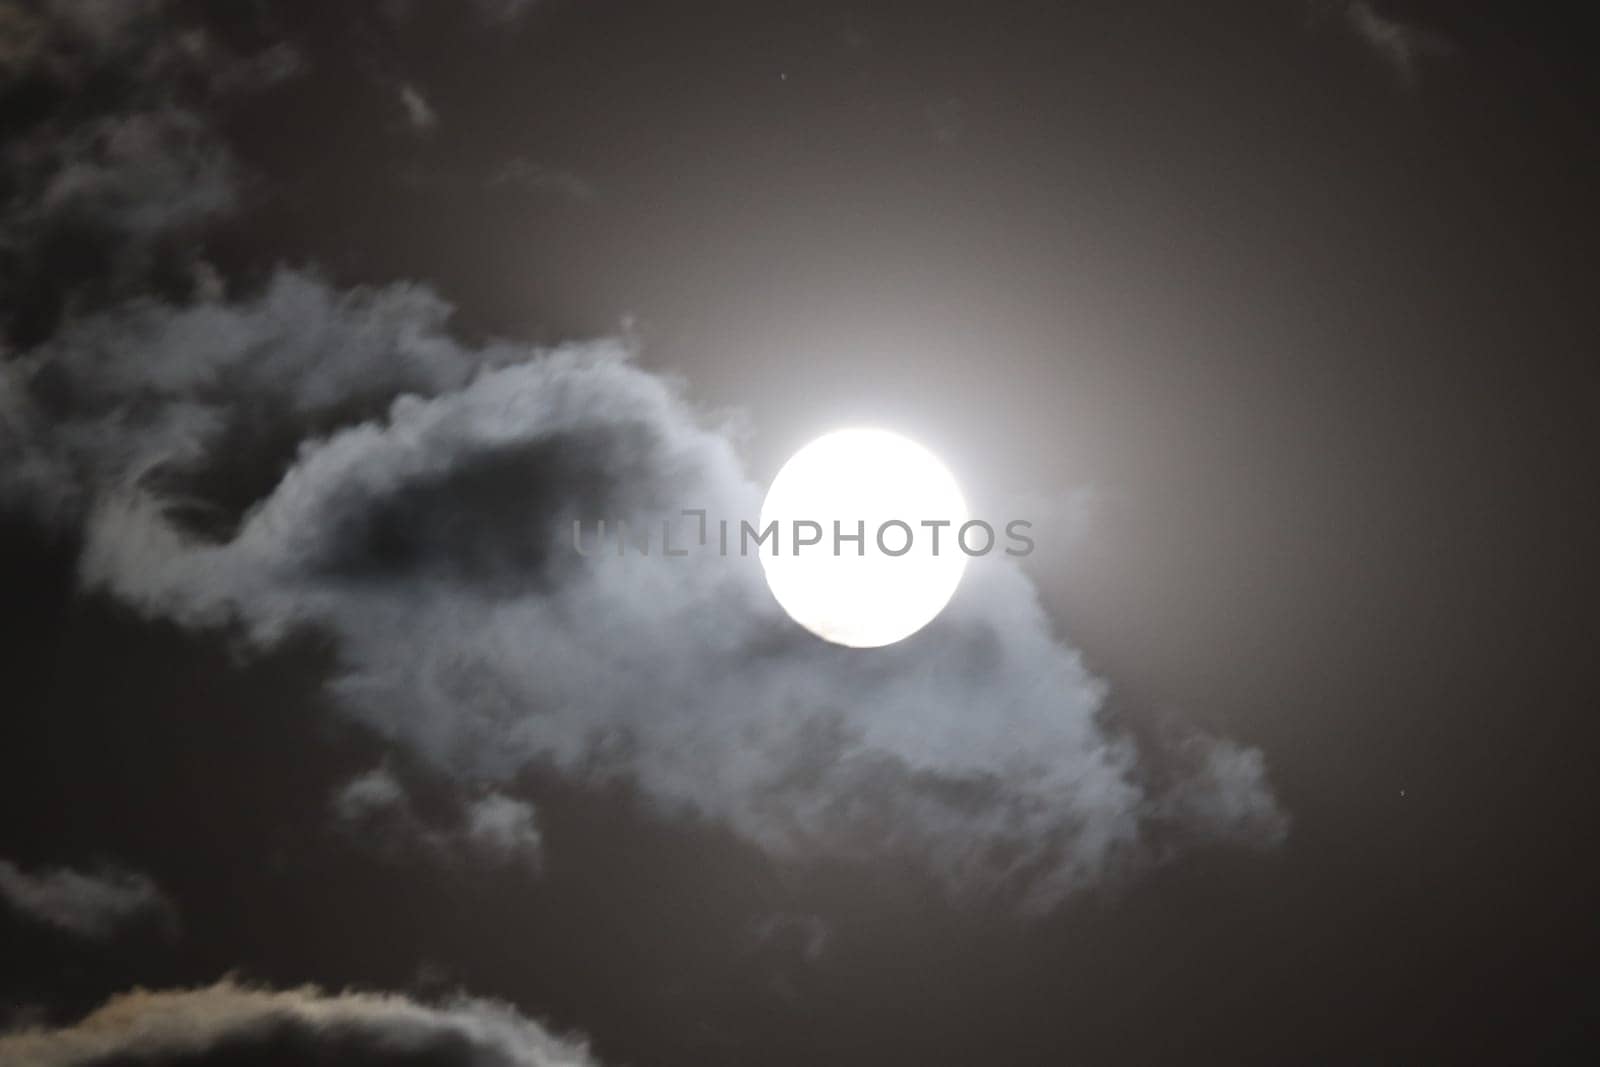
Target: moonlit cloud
228,1021
432,540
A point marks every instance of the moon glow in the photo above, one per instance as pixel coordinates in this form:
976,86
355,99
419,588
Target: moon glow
902,572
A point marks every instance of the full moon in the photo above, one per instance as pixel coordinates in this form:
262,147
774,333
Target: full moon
907,509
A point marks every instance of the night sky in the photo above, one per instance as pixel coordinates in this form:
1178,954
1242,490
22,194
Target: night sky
320,323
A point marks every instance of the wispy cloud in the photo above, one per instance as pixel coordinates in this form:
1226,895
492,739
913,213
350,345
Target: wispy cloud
520,173
1401,44
86,905
420,114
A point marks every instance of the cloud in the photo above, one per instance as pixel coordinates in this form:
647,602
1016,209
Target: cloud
420,114
374,793
495,828
86,905
1401,43
523,173
303,457
150,388
375,810
227,1022
504,829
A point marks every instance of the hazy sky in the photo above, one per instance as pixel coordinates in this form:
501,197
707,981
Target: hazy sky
323,321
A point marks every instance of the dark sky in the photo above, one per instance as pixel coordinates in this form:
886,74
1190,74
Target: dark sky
1278,318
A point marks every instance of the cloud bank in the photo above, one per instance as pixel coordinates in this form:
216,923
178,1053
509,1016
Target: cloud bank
229,1023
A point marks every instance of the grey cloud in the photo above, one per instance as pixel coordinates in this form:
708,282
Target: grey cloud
121,183
1220,786
150,387
375,810
86,905
505,829
142,173
496,827
226,1021
374,793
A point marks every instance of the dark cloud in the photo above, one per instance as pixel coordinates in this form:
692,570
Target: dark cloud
110,165
86,905
230,1023
147,384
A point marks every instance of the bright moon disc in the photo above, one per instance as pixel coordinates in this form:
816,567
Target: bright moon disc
899,497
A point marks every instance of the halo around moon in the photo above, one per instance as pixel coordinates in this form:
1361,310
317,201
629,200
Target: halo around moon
907,565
